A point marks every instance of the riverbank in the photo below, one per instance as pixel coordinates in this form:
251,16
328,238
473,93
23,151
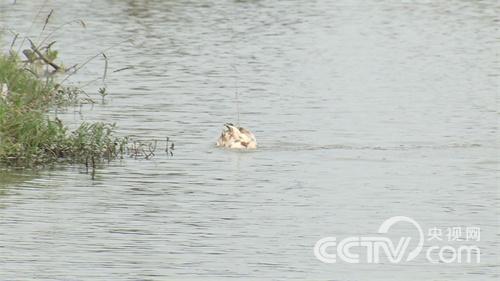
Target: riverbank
31,137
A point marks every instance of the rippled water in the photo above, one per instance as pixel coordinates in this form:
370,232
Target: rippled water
363,111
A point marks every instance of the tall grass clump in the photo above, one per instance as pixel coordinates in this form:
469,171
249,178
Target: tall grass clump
29,137
30,87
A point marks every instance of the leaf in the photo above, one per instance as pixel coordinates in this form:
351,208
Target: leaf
47,19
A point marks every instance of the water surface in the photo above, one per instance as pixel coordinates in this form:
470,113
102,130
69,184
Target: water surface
363,111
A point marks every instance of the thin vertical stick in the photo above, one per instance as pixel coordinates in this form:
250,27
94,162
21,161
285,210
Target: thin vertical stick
105,69
237,94
236,70
31,26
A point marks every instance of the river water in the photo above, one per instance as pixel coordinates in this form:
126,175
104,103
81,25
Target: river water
363,110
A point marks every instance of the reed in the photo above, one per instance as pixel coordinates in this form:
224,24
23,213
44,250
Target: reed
30,88
29,137
32,83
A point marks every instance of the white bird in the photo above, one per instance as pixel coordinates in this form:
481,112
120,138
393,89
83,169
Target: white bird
237,138
4,91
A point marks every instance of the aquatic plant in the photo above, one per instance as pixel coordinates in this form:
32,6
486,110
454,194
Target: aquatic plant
31,85
29,137
146,148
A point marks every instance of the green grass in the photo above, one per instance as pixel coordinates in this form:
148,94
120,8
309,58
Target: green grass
30,138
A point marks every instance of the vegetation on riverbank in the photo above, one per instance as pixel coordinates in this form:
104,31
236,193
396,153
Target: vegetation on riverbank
30,137
33,90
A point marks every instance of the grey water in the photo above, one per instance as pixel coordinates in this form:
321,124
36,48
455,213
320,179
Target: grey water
363,110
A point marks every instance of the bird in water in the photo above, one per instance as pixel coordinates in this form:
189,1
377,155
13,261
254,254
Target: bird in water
237,138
